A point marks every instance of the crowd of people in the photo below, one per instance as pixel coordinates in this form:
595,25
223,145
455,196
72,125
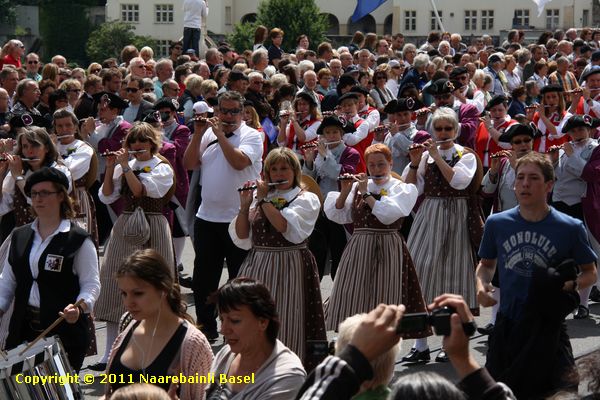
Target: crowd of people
417,176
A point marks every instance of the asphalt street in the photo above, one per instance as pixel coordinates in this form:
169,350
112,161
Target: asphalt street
584,336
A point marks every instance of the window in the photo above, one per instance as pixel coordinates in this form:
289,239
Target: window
228,15
521,18
470,20
162,48
585,18
410,20
130,13
487,20
434,26
552,17
164,13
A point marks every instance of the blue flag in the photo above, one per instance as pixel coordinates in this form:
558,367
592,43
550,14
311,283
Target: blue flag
364,7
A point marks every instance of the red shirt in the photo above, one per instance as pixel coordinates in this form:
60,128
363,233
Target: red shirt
10,60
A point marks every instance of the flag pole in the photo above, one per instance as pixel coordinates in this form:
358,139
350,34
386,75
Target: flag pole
437,15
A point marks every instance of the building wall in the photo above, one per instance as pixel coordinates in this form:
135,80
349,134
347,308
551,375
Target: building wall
225,13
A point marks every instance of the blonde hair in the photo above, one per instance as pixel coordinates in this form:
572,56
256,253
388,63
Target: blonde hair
255,122
140,391
144,132
288,156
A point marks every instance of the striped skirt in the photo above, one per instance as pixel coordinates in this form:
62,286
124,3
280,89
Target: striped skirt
291,275
375,268
85,213
441,249
109,306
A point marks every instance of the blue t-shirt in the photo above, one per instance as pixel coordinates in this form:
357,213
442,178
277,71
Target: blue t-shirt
518,245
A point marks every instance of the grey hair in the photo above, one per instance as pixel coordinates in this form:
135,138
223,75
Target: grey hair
231,95
447,115
421,61
258,54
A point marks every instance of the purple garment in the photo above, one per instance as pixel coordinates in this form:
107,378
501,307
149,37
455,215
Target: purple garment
591,201
349,160
180,138
468,117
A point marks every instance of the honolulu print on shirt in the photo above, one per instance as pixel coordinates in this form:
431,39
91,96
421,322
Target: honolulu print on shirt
526,249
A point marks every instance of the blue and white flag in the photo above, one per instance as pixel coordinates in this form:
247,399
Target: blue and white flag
540,5
365,7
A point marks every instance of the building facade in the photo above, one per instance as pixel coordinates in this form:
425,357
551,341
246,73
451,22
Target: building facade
162,19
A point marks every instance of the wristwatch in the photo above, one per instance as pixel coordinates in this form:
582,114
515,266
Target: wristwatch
126,170
367,194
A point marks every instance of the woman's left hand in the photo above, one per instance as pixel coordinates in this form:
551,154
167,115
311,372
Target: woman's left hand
362,183
262,189
70,313
123,157
15,164
432,149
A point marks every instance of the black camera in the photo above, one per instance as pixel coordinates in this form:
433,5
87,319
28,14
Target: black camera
439,320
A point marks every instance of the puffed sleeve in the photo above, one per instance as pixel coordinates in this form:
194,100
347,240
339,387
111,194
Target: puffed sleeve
158,181
8,192
343,215
114,196
420,172
464,171
301,216
65,170
397,204
245,244
79,161
311,131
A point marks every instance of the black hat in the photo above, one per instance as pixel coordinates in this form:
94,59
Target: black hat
593,70
580,120
495,58
349,95
498,99
346,80
402,104
111,99
224,49
25,120
46,174
442,86
306,97
331,120
518,129
167,102
596,55
235,76
151,117
458,71
552,88
360,89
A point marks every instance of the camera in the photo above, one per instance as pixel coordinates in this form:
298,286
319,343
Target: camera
438,319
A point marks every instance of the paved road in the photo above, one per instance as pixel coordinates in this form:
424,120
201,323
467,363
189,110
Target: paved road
584,336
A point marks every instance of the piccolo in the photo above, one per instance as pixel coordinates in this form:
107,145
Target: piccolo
422,111
29,159
63,136
444,141
270,184
114,153
315,144
416,146
498,154
381,128
562,146
351,177
286,113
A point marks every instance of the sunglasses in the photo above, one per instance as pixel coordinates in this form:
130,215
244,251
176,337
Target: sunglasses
74,91
148,90
32,62
232,111
131,90
95,71
517,142
443,128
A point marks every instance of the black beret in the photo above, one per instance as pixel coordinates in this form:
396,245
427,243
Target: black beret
593,70
167,102
306,97
497,99
580,120
348,95
151,117
517,130
458,71
441,86
46,174
346,80
111,99
402,104
235,76
25,120
359,89
552,88
331,120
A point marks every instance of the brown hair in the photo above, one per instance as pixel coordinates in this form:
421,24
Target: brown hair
149,266
39,137
544,164
143,132
275,32
288,156
259,34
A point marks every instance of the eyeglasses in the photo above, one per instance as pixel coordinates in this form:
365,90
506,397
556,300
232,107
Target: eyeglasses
73,90
95,71
172,88
381,77
443,128
131,90
232,111
177,48
33,62
148,89
518,142
140,66
42,193
257,82
398,67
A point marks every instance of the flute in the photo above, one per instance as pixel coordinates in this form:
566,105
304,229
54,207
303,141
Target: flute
422,111
562,146
498,154
444,141
114,153
287,113
270,184
315,144
351,177
29,159
63,136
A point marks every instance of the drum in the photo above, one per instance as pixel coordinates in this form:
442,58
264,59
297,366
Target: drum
42,372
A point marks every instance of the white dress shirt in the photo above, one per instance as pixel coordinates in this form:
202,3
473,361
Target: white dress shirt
85,266
193,11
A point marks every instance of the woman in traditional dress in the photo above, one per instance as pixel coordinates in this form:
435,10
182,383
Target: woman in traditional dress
275,227
448,226
146,184
82,162
299,125
376,266
549,118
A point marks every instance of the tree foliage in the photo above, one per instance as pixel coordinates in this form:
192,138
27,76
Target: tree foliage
8,13
295,17
109,39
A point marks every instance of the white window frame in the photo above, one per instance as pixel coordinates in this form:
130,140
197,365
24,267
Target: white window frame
522,15
410,20
487,20
552,18
433,25
164,13
130,13
162,47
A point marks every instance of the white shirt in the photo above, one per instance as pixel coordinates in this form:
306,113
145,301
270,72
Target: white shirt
353,138
397,203
193,11
77,156
85,266
310,133
157,181
301,216
464,169
219,180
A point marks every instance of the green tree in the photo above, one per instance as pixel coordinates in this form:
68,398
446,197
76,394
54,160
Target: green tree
8,15
295,17
109,39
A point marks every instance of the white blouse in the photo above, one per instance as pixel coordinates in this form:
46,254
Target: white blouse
301,216
77,156
464,170
397,203
157,181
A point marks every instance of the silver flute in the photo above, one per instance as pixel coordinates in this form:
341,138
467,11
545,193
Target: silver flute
351,177
270,184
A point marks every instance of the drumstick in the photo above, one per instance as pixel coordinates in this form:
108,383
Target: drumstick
48,329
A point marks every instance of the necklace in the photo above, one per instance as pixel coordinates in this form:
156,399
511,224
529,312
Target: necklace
151,343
